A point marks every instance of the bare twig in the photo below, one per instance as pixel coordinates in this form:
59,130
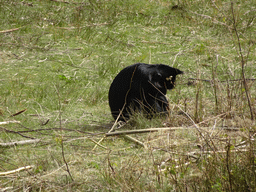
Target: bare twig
8,122
17,132
214,152
136,141
176,57
211,18
10,30
62,145
215,85
143,131
90,25
54,171
199,130
120,113
228,165
223,81
97,143
155,42
16,170
15,143
61,1
15,114
54,128
243,65
137,131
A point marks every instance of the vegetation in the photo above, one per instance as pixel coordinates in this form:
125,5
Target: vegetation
57,61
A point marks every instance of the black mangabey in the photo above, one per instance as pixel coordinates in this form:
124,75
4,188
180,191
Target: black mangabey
141,87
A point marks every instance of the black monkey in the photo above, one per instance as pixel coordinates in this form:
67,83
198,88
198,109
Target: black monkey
141,87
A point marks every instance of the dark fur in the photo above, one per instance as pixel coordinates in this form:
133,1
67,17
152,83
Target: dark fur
141,87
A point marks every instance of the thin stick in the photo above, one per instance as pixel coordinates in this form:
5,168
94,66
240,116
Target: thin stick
62,145
213,152
176,57
16,170
224,81
198,129
143,131
15,114
112,128
137,131
8,122
97,143
243,65
135,140
211,18
10,131
9,30
15,143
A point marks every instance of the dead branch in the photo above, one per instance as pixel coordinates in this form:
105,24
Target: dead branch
15,143
15,114
155,42
135,140
215,21
97,143
89,25
56,129
17,132
8,122
62,144
61,167
211,81
142,131
61,1
136,131
10,30
213,152
243,63
120,113
16,170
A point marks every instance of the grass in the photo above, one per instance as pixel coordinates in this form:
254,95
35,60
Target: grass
57,61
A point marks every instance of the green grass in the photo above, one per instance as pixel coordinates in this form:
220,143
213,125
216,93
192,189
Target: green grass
58,61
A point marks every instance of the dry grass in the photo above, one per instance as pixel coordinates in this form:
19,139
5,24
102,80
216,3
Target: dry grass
58,59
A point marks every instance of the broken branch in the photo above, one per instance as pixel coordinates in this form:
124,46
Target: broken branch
15,143
16,170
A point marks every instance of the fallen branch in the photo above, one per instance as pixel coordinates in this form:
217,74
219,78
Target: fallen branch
89,25
61,1
10,131
142,131
135,140
97,143
15,114
8,122
55,129
213,152
155,42
56,170
16,170
10,30
210,81
165,129
215,21
15,143
112,128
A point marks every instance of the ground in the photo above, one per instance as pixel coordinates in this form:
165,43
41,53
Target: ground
57,61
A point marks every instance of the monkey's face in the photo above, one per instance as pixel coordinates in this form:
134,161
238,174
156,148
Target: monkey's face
164,77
